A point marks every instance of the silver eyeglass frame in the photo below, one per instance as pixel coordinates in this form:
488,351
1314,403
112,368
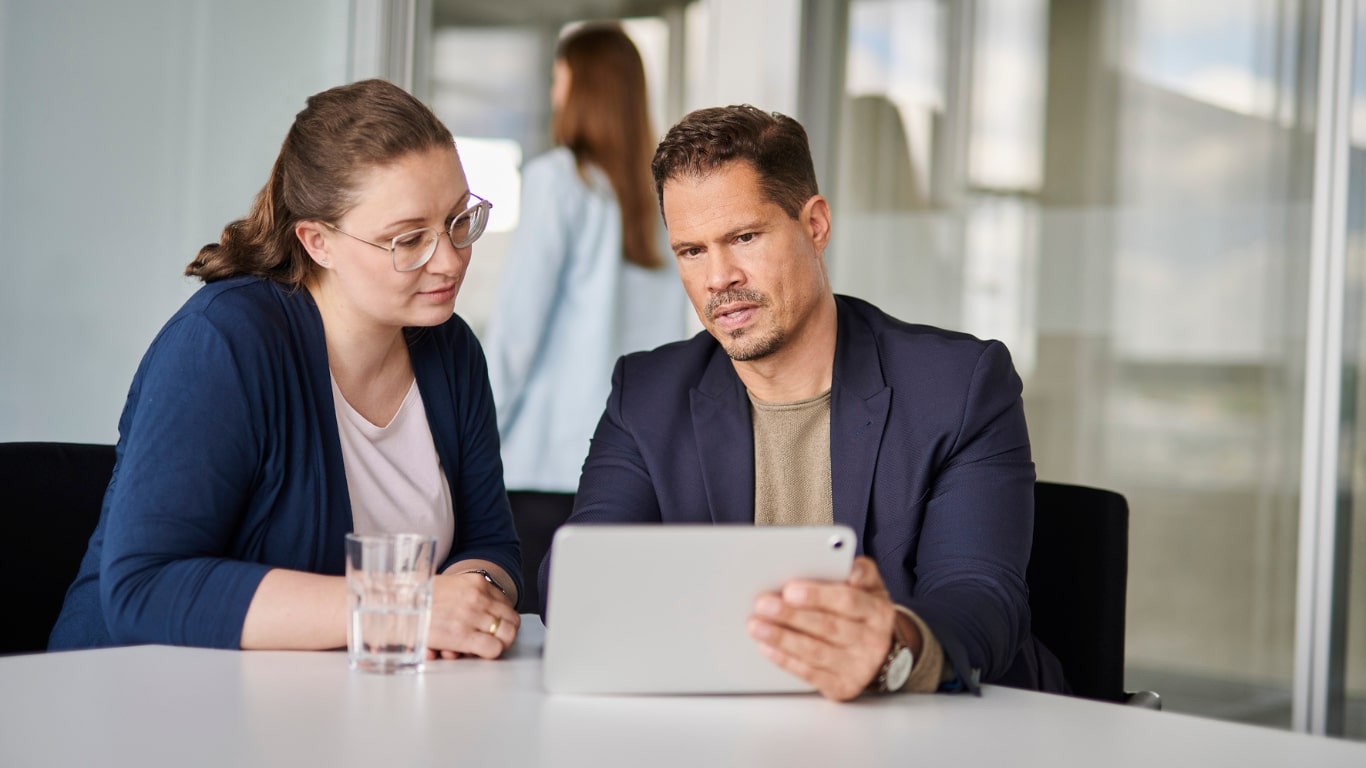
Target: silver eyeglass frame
479,219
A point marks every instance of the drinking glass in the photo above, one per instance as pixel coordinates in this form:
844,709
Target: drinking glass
389,590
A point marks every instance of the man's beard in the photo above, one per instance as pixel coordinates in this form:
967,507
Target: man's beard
742,344
755,348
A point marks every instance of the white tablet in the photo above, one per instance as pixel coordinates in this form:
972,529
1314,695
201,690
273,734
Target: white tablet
662,608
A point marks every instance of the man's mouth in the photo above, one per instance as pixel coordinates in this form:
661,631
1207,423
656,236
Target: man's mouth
734,308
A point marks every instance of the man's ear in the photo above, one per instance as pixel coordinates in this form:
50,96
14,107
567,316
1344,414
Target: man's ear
816,217
310,234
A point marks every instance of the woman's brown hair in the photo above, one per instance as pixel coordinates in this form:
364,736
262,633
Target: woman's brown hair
605,121
340,134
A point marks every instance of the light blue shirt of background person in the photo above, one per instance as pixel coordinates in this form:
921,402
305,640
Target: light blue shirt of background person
568,306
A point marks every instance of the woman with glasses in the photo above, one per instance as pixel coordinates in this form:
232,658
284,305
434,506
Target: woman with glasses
318,384
588,277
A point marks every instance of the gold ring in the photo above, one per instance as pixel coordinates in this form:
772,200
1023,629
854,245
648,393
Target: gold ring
493,628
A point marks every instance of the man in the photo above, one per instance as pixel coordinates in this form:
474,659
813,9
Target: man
801,407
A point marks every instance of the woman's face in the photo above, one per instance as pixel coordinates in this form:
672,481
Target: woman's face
559,85
358,282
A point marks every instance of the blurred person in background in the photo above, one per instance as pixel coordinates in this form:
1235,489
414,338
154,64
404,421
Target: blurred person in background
587,279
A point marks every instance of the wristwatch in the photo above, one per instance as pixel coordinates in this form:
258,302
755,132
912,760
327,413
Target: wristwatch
895,669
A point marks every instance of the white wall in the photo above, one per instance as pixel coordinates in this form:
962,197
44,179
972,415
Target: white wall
751,55
130,133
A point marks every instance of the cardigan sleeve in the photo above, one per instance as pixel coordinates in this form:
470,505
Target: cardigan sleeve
483,519
189,462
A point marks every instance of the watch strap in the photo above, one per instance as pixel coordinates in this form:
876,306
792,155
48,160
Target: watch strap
489,578
896,671
881,682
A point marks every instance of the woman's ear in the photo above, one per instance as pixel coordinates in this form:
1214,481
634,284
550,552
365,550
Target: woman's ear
310,234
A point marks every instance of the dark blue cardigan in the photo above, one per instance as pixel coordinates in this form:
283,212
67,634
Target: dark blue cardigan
229,464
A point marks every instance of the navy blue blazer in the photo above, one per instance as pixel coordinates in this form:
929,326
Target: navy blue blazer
930,466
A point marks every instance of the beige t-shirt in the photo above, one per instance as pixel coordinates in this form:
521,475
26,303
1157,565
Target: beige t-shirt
792,487
393,474
792,462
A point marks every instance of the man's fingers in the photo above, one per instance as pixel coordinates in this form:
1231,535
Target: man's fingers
830,684
813,651
834,635
834,597
838,671
864,575
833,628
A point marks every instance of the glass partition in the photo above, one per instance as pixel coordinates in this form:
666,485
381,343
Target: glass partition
1121,191
1132,221
1354,396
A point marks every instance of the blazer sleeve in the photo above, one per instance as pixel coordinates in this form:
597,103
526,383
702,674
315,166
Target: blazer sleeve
188,466
973,549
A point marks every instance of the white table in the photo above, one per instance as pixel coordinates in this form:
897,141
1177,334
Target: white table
156,705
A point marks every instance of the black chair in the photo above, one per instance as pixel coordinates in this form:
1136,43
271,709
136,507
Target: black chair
1078,579
54,492
537,516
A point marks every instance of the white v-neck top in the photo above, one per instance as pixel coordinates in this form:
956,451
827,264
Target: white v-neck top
393,473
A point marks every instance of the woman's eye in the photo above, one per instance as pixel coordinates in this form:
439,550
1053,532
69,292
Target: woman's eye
409,241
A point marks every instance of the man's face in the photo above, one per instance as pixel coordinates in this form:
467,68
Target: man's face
754,274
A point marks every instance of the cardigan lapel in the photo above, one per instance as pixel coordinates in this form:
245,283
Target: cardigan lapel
334,502
859,402
725,441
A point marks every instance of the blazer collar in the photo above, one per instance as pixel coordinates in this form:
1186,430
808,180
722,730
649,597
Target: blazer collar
725,440
859,403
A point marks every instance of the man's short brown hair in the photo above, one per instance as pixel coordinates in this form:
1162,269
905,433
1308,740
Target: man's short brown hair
774,145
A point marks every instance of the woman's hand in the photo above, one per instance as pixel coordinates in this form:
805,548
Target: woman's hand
470,617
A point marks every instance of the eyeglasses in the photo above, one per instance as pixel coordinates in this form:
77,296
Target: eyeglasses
412,250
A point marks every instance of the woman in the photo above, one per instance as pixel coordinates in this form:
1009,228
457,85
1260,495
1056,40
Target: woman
318,383
588,278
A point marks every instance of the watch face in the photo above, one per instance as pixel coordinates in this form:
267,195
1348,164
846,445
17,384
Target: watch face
899,670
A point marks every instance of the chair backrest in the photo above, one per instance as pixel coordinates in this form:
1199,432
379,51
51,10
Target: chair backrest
1078,575
54,492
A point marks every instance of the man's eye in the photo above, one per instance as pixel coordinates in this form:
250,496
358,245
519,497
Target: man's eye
746,237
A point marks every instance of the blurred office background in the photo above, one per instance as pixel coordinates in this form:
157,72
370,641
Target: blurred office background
1159,205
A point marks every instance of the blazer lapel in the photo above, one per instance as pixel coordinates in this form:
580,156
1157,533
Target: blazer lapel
725,441
859,402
